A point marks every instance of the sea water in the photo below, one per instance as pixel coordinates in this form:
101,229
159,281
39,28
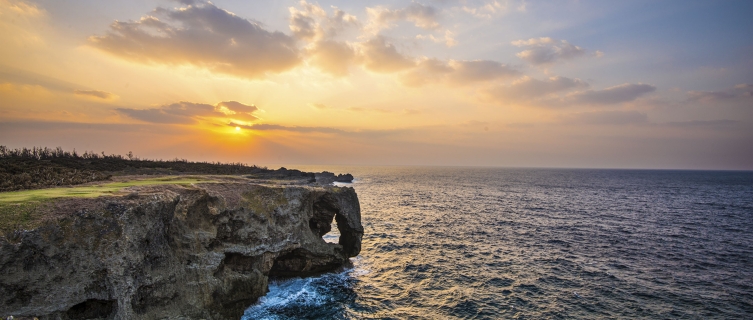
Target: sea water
490,243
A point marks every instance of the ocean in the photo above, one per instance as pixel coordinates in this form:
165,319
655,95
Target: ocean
498,243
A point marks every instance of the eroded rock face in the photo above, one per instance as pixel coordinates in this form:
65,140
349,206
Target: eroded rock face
202,252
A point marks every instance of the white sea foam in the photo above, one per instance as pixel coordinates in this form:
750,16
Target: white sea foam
297,297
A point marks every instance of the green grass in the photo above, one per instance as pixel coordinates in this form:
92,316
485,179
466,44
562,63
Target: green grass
20,216
24,209
16,197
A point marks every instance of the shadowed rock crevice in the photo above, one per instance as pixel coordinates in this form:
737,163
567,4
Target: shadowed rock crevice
302,262
325,209
240,263
92,309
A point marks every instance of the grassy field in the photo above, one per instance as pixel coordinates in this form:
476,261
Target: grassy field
23,209
87,191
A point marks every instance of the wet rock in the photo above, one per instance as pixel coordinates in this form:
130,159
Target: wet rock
200,252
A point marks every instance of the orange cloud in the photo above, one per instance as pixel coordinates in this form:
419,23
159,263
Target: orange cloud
188,112
95,94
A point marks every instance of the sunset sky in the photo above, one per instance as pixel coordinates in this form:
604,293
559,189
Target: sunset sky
584,84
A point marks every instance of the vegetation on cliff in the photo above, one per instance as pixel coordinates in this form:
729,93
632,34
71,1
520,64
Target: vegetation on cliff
25,209
30,178
36,168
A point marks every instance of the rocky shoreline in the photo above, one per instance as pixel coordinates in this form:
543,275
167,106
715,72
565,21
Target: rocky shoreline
201,251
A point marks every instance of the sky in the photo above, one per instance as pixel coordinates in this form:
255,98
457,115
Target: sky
572,83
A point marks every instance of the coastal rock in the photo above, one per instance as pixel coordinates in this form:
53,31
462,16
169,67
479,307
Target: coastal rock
171,252
329,177
324,178
348,178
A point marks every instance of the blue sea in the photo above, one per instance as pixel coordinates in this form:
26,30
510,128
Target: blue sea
496,243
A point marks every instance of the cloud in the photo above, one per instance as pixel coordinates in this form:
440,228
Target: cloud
488,9
475,125
311,23
95,94
237,107
21,26
339,21
360,109
448,38
429,70
332,57
744,91
480,70
23,77
527,88
188,112
302,25
201,35
380,56
546,50
325,130
20,7
271,127
623,93
605,118
424,17
385,111
703,123
321,106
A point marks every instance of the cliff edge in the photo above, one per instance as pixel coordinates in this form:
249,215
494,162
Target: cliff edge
198,251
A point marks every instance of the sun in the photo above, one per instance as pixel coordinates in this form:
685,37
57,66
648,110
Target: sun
237,128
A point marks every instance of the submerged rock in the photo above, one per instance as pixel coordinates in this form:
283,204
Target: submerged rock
199,252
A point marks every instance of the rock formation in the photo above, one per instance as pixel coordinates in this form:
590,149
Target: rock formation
199,252
324,177
344,178
329,177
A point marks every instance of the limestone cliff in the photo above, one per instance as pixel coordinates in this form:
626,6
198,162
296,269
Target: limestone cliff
196,252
